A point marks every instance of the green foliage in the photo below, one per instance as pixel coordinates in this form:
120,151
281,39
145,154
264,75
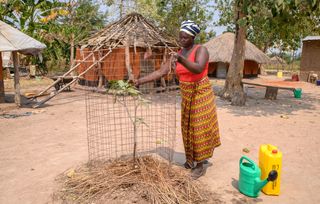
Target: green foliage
120,87
274,23
124,88
82,18
68,28
26,14
53,22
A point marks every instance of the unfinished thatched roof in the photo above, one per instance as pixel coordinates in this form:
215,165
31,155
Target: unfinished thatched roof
277,60
136,28
221,48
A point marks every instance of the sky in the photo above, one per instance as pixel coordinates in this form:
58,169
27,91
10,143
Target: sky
218,29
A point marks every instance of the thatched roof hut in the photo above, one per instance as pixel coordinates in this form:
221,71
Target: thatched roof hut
13,40
221,49
310,63
134,46
277,61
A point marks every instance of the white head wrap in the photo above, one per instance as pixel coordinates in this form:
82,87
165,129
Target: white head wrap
190,27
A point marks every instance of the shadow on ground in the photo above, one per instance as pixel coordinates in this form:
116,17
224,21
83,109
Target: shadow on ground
258,106
70,97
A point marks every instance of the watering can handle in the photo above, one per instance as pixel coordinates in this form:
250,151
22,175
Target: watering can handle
249,160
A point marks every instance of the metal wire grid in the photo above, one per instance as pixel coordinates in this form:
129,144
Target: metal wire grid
110,130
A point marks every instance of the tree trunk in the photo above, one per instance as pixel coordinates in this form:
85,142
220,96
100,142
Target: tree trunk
265,47
17,98
233,89
121,8
1,81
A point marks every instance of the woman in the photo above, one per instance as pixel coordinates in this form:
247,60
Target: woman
199,123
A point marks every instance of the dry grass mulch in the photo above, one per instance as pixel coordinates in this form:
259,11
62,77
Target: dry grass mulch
147,180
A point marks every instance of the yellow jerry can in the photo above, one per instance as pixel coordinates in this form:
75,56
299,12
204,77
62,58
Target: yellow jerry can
270,158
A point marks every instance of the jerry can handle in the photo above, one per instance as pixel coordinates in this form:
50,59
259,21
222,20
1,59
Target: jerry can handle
249,160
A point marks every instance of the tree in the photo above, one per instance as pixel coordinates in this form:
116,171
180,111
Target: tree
59,24
272,23
74,22
287,17
24,14
233,89
169,14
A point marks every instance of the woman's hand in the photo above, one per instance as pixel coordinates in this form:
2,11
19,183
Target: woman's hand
174,56
134,82
165,68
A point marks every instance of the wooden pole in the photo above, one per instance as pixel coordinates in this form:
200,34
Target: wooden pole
74,79
1,81
100,83
65,74
127,59
79,63
17,98
163,81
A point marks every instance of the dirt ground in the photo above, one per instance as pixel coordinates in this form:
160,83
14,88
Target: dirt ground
44,142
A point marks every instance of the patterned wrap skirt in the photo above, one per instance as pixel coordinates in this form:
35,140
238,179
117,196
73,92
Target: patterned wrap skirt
199,123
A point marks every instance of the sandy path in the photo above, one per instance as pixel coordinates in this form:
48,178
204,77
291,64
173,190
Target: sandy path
35,149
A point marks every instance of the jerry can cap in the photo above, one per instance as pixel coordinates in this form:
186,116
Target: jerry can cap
274,151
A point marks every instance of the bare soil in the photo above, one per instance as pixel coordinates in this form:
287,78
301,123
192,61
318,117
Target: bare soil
36,145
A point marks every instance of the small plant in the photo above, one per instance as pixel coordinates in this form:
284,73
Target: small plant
121,90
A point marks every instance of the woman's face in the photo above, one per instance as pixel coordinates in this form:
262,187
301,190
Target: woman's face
185,39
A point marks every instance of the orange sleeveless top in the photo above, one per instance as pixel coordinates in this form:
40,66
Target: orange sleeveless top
184,74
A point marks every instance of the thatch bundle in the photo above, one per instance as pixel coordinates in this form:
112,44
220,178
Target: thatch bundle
221,49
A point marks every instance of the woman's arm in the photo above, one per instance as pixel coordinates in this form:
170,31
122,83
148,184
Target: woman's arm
201,58
164,69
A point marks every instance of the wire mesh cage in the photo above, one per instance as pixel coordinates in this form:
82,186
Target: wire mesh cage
124,124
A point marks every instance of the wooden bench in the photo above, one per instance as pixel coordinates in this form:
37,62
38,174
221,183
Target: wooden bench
271,91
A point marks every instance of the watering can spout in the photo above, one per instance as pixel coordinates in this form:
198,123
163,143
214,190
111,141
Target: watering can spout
260,184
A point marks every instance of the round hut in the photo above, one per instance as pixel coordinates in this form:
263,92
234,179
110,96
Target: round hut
277,62
310,64
129,48
221,48
15,41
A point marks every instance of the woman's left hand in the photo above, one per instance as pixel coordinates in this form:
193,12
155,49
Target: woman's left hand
134,82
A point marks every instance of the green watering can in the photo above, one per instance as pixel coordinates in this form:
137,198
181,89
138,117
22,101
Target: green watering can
250,183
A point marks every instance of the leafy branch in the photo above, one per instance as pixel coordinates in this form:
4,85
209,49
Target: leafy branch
121,90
